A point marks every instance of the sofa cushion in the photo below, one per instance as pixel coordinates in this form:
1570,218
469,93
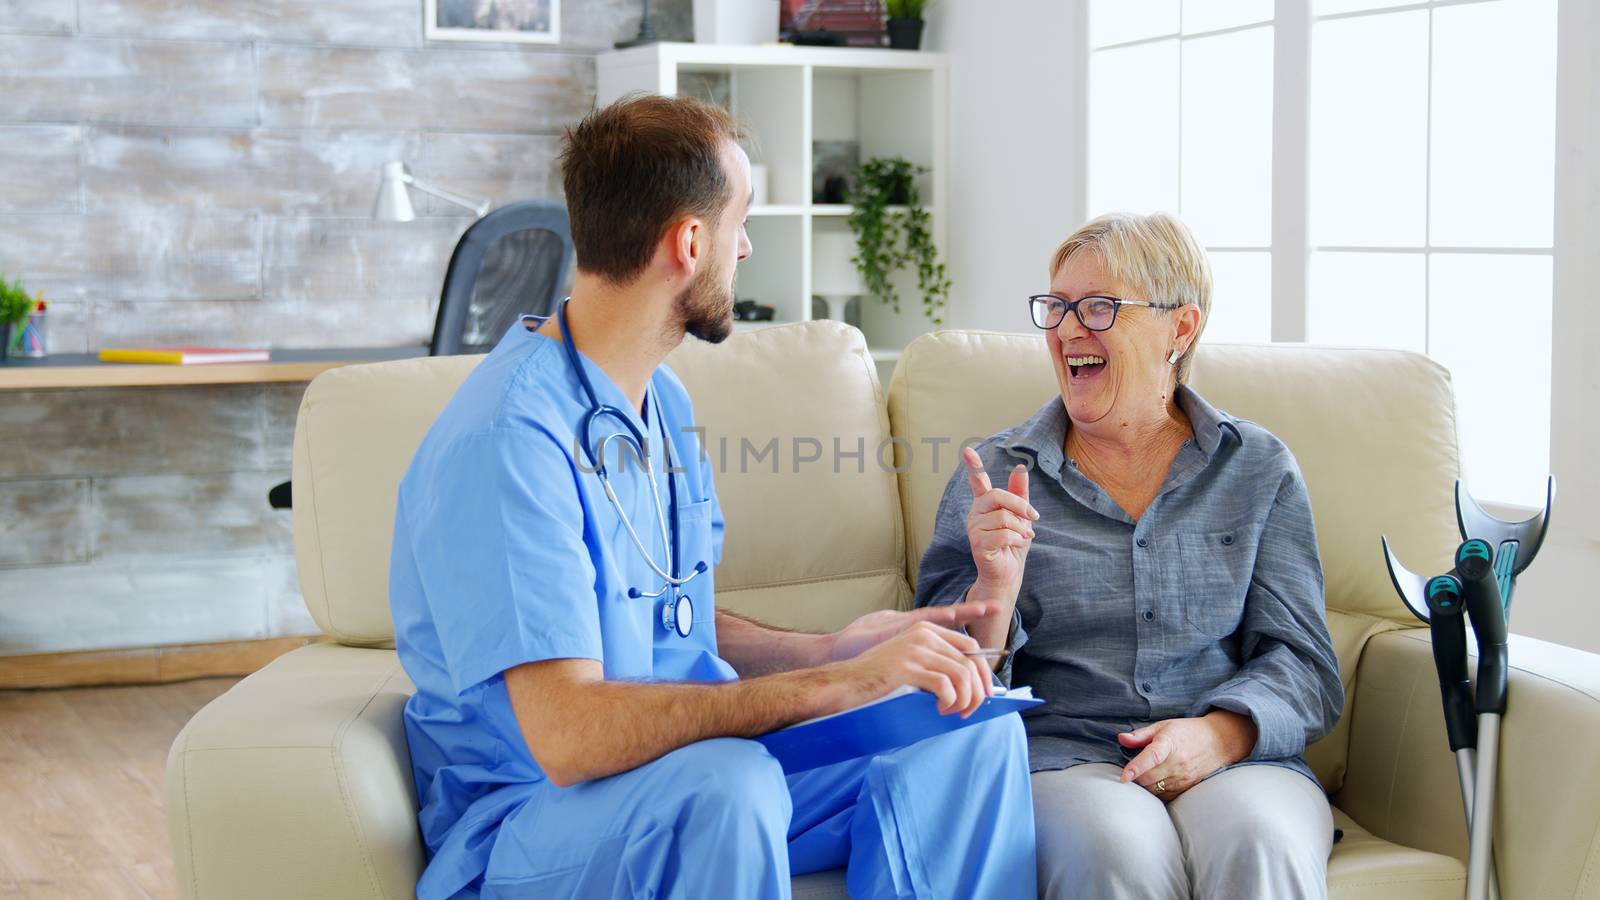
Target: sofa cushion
1371,868
813,536
813,527
313,747
1362,866
297,783
357,430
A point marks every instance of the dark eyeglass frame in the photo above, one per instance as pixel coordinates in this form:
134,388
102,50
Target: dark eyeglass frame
1073,306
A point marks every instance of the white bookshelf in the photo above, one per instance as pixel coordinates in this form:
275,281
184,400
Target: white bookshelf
891,102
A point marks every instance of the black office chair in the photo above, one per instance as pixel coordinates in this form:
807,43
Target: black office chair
510,263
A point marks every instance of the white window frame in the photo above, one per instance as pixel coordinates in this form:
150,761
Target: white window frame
1291,246
1574,437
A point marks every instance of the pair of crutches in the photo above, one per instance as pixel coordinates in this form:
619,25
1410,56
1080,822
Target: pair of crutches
1478,589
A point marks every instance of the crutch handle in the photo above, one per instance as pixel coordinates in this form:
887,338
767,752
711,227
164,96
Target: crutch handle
1449,629
1481,595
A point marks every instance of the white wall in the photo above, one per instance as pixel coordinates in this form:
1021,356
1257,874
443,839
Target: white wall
1557,597
1016,92
1015,146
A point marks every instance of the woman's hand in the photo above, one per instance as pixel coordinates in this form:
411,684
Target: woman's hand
999,529
1179,753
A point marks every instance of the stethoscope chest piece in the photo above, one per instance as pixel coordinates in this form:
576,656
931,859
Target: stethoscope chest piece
677,614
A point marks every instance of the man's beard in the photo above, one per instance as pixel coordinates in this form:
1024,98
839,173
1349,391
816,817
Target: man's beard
706,307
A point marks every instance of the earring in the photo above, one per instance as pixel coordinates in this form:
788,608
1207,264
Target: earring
1172,358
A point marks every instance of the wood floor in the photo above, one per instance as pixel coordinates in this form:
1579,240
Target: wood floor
81,772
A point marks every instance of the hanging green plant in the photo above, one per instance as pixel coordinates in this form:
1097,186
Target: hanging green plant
888,240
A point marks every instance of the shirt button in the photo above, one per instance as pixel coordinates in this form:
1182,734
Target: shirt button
1142,542
1145,687
1227,540
1148,615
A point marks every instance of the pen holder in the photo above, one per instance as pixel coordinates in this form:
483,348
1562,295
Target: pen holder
31,344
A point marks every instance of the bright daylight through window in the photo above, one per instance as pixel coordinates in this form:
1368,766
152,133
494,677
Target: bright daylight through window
1430,165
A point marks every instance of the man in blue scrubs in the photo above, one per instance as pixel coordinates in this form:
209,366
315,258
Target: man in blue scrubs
565,741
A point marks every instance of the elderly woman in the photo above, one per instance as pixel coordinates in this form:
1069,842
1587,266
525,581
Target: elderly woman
1170,612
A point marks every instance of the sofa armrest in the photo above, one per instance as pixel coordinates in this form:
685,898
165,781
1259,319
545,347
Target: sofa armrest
1401,783
297,783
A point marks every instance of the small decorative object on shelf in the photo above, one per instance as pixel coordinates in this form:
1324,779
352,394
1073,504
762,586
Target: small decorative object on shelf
887,239
905,23
647,31
20,314
735,21
751,311
856,23
32,344
832,163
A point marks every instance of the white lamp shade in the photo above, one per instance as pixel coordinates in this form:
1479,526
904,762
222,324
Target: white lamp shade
394,200
832,272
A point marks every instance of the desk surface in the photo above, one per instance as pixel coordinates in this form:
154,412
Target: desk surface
81,370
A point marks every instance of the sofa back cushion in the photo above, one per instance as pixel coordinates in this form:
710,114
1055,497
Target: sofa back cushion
1373,430
805,547
796,425
355,435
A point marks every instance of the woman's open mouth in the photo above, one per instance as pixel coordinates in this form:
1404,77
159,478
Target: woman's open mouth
1084,367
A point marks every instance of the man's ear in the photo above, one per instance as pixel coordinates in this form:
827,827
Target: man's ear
685,243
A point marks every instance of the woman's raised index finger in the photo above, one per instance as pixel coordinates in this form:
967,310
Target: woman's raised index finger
977,477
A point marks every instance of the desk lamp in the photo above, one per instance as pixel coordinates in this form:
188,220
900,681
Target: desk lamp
394,201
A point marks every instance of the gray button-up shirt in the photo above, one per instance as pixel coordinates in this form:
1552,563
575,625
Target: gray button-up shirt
1212,599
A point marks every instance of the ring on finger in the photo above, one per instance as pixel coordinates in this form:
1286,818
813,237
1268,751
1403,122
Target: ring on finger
1160,786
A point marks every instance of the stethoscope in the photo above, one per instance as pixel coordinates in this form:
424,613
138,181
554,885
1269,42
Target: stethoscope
677,614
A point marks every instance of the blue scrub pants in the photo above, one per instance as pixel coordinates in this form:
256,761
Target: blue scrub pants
950,816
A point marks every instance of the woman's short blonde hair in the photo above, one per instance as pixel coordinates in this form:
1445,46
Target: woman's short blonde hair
1154,257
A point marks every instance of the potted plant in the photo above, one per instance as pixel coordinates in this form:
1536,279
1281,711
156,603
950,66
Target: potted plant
905,23
892,231
16,305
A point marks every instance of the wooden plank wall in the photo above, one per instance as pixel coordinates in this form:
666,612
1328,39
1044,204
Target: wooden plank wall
203,172
138,516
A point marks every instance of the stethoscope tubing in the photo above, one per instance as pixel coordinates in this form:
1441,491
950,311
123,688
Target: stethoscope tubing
595,455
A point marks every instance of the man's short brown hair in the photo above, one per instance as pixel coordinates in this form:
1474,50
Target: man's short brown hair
632,168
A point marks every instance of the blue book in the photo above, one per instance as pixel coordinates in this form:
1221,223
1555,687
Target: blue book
898,720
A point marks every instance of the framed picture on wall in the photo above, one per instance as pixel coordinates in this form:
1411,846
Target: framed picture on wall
519,21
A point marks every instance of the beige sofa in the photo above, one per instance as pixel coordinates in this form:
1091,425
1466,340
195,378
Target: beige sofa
296,783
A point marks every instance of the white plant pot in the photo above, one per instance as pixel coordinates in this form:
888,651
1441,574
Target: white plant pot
890,330
735,21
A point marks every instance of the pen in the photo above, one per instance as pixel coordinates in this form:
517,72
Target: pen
987,654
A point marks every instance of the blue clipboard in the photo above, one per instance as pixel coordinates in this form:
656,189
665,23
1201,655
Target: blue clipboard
899,720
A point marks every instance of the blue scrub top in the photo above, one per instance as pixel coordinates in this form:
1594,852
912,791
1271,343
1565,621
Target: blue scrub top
506,551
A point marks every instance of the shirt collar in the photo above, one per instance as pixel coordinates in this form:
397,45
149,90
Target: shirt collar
1210,424
1041,436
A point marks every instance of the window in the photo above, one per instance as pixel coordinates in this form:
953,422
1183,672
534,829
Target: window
1428,156
1180,119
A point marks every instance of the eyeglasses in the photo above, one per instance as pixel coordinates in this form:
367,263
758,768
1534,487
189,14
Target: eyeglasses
1094,312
